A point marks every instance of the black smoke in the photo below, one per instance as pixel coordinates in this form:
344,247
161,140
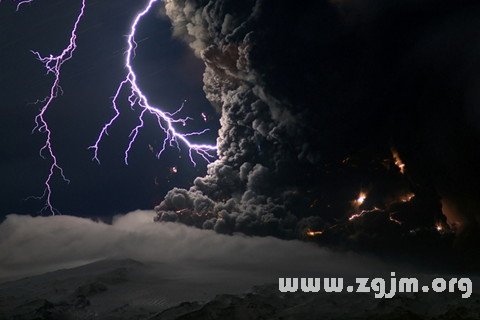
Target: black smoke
314,96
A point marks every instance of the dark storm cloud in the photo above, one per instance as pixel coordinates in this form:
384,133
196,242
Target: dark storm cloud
32,245
241,191
313,96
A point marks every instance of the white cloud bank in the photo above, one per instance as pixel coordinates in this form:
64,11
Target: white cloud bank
32,245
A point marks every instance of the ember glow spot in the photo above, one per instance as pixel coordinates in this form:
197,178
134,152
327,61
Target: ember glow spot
312,233
361,198
398,161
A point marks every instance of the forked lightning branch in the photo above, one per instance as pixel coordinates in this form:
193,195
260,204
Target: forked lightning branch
168,122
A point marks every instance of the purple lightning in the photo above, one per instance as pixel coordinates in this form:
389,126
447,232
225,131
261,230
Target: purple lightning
53,64
165,120
20,3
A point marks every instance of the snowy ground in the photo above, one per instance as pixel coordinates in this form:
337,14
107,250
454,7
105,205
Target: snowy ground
128,289
116,289
137,269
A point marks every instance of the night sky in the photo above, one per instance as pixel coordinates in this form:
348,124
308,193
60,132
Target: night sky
314,106
346,135
168,72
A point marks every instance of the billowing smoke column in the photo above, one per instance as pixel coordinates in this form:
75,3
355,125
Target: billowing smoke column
323,134
240,192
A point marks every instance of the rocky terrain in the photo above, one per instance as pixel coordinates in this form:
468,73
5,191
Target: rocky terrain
267,303
128,289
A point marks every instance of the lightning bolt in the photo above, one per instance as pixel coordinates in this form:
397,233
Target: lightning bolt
166,121
21,3
53,64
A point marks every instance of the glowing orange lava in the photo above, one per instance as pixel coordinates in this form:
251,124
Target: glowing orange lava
361,199
407,197
355,216
311,233
398,161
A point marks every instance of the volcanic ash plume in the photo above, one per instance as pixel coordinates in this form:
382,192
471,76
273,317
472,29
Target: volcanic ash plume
261,142
308,122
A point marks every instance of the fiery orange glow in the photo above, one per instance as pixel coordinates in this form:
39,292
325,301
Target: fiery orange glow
362,213
355,216
398,161
407,197
311,233
439,227
361,199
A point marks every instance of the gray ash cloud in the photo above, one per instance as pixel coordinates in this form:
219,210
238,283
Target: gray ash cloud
313,96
